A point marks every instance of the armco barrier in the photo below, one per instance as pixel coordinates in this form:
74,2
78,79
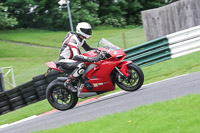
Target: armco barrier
161,49
164,48
183,35
150,52
184,42
185,47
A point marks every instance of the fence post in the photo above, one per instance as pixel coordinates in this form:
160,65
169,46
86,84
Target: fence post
124,40
1,83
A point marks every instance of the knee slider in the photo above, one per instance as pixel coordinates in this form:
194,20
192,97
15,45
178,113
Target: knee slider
81,66
81,71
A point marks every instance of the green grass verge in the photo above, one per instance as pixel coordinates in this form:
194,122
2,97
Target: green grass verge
134,36
26,61
181,115
27,111
157,72
34,36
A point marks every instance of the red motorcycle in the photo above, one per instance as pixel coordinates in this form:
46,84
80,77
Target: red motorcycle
99,77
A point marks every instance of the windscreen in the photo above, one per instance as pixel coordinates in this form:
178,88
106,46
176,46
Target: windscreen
108,45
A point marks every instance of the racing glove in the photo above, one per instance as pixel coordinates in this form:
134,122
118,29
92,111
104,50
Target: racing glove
87,59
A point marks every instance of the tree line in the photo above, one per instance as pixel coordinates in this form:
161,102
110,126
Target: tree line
48,14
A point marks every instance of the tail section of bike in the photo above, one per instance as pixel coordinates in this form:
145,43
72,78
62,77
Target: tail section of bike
53,65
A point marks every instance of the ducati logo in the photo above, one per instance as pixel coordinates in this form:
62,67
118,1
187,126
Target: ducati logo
97,84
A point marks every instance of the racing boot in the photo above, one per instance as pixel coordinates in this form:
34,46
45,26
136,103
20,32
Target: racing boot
68,84
75,74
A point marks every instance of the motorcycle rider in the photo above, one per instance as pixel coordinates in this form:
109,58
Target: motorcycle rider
70,57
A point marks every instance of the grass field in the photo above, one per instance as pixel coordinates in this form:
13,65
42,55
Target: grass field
54,38
26,61
181,115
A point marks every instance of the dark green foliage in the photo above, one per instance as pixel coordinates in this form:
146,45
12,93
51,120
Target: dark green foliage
84,10
48,14
112,13
21,9
6,21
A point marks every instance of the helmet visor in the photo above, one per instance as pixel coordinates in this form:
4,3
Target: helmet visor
86,31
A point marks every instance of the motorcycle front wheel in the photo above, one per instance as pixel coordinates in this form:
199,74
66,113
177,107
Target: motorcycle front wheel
59,97
134,81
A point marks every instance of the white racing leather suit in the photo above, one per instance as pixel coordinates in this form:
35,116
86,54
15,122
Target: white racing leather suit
70,58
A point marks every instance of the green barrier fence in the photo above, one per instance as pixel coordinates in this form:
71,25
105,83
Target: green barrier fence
150,52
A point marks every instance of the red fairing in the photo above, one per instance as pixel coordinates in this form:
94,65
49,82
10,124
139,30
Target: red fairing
99,76
52,65
90,53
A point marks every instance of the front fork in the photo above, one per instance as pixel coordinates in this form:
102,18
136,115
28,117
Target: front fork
120,73
123,69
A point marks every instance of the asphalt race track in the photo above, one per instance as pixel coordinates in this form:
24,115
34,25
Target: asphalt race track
118,102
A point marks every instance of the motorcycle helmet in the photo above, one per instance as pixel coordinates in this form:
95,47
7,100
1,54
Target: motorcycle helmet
84,29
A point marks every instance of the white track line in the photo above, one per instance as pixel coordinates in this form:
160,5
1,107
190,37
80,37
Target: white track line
20,121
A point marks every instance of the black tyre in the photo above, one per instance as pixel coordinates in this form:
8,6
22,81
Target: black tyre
42,97
39,83
29,94
4,103
3,96
13,92
59,97
52,72
49,79
18,104
16,99
41,93
14,95
39,77
41,88
31,99
5,109
135,79
27,84
28,89
18,107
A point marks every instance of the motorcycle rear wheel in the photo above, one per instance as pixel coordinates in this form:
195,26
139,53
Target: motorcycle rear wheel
135,79
59,97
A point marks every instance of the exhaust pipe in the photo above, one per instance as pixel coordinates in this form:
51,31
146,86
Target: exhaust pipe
86,94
